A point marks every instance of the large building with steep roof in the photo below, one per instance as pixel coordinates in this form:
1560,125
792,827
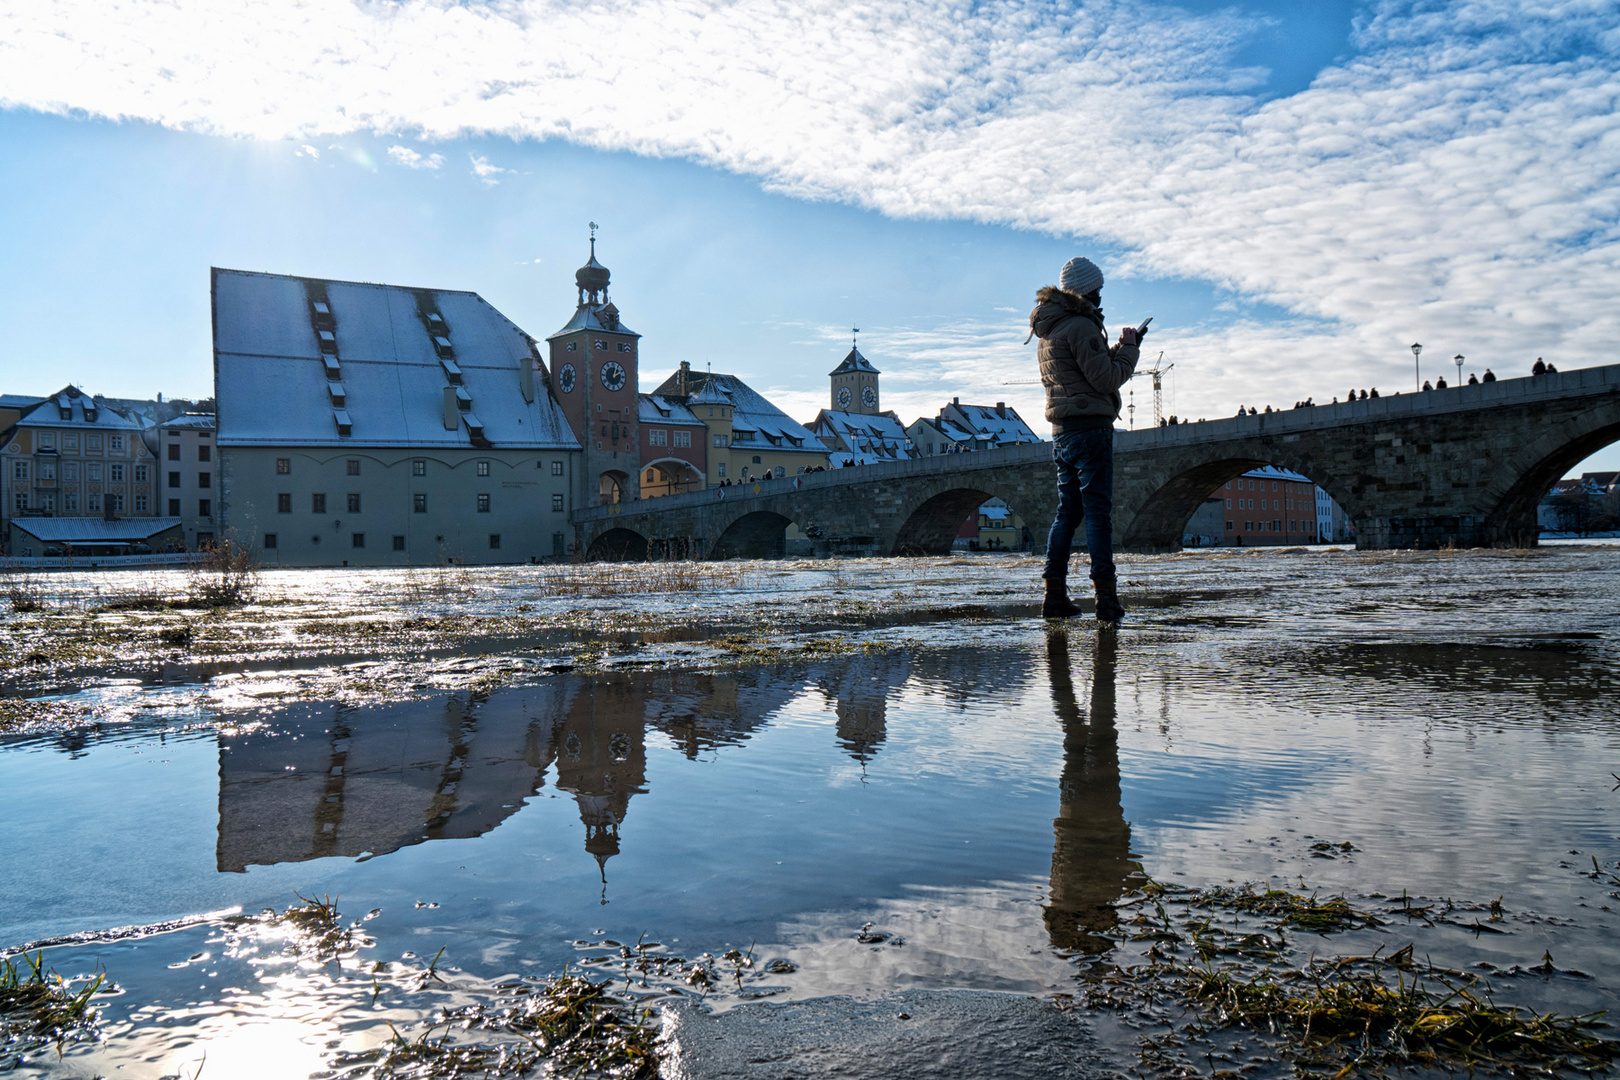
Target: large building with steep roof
749,438
364,424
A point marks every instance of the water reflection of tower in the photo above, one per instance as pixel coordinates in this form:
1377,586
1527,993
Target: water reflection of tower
859,691
1091,850
602,759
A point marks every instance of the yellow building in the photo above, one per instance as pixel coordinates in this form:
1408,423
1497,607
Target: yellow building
748,438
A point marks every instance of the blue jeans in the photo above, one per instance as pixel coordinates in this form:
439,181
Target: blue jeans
1085,470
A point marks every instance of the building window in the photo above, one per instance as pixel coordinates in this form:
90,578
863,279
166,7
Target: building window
683,438
556,468
92,442
115,442
556,502
116,502
174,451
47,440
140,504
419,503
399,543
719,440
354,502
270,541
1229,501
756,459
357,540
205,507
19,470
19,502
205,479
657,437
203,450
419,467
1248,526
483,504
174,506
317,503
283,503
721,468
1229,527
483,468
283,465
174,479
352,467
70,441
140,474
94,471
70,471
70,502
494,541
115,473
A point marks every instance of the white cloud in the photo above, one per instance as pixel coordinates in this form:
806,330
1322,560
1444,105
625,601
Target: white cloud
411,159
307,151
1456,180
485,171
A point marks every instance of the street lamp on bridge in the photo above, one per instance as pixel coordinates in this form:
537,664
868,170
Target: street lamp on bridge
1417,378
1458,360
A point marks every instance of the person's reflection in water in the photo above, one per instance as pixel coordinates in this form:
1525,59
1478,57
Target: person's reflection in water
1091,850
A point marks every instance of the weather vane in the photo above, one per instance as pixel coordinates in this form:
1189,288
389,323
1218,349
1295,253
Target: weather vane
853,331
594,227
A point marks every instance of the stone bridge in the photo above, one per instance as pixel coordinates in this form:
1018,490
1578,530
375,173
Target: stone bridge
1464,466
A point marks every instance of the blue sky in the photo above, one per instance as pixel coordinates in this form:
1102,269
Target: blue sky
1295,191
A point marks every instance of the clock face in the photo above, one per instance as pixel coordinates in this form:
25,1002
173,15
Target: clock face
869,396
565,378
843,397
613,375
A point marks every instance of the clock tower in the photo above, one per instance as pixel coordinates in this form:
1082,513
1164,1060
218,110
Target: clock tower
855,385
593,374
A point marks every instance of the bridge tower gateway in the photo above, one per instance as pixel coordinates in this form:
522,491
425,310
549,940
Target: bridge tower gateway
855,384
593,370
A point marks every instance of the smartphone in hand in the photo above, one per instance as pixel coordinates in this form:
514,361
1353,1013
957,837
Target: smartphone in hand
1141,331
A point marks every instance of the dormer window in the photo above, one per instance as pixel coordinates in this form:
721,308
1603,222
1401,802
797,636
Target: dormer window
463,399
328,342
435,325
333,372
452,371
345,426
320,315
442,346
339,395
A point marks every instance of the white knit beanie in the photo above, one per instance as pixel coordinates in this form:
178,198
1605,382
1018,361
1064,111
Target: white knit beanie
1080,276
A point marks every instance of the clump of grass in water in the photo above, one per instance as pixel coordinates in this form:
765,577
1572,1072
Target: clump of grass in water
225,575
39,1008
23,592
599,580
318,934
1360,1019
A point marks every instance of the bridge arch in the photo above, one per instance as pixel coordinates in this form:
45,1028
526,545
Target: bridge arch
1158,519
1540,465
759,534
618,545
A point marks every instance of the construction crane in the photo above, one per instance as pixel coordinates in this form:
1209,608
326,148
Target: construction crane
1158,387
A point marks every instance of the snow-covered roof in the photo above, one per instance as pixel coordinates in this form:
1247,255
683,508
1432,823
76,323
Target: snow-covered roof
70,407
199,421
589,317
1001,423
1273,472
867,438
272,380
854,362
653,409
18,401
91,530
754,420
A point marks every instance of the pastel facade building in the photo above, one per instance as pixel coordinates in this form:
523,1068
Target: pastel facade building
748,437
377,425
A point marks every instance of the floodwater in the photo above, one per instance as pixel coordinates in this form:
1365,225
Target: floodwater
958,804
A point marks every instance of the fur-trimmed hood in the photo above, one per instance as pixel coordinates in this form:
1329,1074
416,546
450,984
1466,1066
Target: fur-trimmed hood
1053,305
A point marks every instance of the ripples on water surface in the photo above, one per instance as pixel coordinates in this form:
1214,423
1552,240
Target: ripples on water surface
980,793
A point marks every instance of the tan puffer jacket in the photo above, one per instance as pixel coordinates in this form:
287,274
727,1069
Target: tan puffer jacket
1082,375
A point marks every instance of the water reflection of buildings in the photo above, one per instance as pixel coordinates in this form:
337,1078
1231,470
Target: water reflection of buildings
1091,849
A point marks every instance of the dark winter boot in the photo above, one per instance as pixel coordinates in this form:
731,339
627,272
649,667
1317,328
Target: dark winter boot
1109,609
1056,604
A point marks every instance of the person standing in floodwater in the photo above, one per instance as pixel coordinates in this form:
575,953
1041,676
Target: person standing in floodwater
1082,375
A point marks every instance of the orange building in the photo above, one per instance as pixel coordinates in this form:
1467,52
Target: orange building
1269,505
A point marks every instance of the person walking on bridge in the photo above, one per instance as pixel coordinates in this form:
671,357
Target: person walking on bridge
1082,375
